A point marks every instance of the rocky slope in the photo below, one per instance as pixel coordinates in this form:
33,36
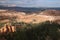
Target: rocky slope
51,15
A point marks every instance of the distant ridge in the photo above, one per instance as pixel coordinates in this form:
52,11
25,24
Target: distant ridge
27,9
23,9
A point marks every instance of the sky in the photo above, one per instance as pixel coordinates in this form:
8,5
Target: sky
30,3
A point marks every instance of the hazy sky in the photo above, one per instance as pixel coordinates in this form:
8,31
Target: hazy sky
31,3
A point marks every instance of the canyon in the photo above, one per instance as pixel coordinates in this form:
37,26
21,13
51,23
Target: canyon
10,16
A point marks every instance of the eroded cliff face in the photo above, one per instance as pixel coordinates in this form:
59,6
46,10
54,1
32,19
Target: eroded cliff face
7,28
